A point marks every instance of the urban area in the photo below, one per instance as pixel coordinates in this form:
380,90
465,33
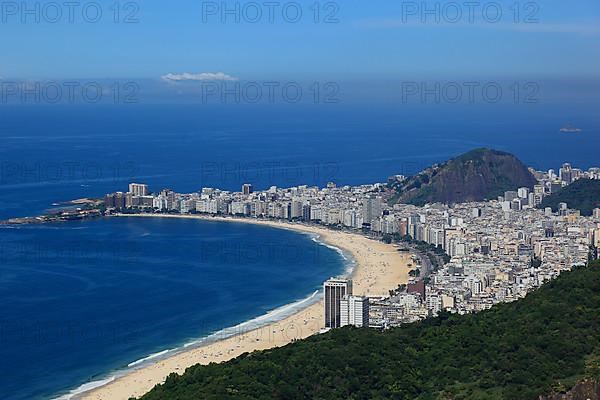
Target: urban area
465,257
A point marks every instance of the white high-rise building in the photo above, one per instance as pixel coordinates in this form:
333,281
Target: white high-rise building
434,303
247,189
139,189
335,290
371,209
523,193
565,173
354,310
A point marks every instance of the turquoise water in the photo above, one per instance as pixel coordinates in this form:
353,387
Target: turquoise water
82,299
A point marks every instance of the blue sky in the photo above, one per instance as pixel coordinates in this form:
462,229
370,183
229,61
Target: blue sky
378,40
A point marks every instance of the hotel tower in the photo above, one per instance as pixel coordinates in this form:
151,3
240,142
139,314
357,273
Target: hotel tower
335,290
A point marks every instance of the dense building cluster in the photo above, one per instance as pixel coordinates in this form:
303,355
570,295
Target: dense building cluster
497,254
499,249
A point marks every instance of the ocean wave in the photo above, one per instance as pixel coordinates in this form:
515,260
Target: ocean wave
316,239
150,357
86,387
349,261
275,315
270,317
10,227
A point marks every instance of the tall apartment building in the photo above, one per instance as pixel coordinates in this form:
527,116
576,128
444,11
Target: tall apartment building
354,310
139,189
566,173
247,189
371,209
523,192
335,290
115,200
296,208
510,195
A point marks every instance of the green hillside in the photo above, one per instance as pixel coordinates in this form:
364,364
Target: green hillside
474,176
583,195
549,340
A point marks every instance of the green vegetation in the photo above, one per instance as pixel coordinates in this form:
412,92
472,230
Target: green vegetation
583,195
479,155
474,176
545,342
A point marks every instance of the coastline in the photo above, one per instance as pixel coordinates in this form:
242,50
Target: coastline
378,267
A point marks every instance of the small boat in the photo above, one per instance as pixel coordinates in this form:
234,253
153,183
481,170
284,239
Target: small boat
570,129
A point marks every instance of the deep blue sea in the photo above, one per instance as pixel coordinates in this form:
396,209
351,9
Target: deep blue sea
79,300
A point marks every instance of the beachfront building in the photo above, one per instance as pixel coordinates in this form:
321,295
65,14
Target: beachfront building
354,310
335,290
372,209
139,189
495,251
247,189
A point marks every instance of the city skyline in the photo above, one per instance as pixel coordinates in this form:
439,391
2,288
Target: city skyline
498,250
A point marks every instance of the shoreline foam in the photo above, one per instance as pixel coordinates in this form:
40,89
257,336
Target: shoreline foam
271,317
369,265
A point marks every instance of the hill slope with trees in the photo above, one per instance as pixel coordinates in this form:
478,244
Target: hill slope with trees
583,195
542,344
477,175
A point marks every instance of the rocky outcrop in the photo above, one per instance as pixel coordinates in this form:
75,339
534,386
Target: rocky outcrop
474,176
585,390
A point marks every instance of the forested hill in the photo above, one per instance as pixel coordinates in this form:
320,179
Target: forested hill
477,175
583,195
548,341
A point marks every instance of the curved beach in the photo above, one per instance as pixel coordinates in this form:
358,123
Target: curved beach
379,267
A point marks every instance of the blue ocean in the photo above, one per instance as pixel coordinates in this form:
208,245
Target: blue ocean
79,301
82,299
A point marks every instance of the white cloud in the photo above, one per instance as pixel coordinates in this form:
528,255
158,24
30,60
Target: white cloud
203,76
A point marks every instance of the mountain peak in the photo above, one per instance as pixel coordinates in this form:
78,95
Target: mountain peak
477,175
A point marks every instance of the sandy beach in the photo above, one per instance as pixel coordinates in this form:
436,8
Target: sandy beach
379,268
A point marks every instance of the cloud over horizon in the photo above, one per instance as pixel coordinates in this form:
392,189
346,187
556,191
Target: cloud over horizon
202,76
